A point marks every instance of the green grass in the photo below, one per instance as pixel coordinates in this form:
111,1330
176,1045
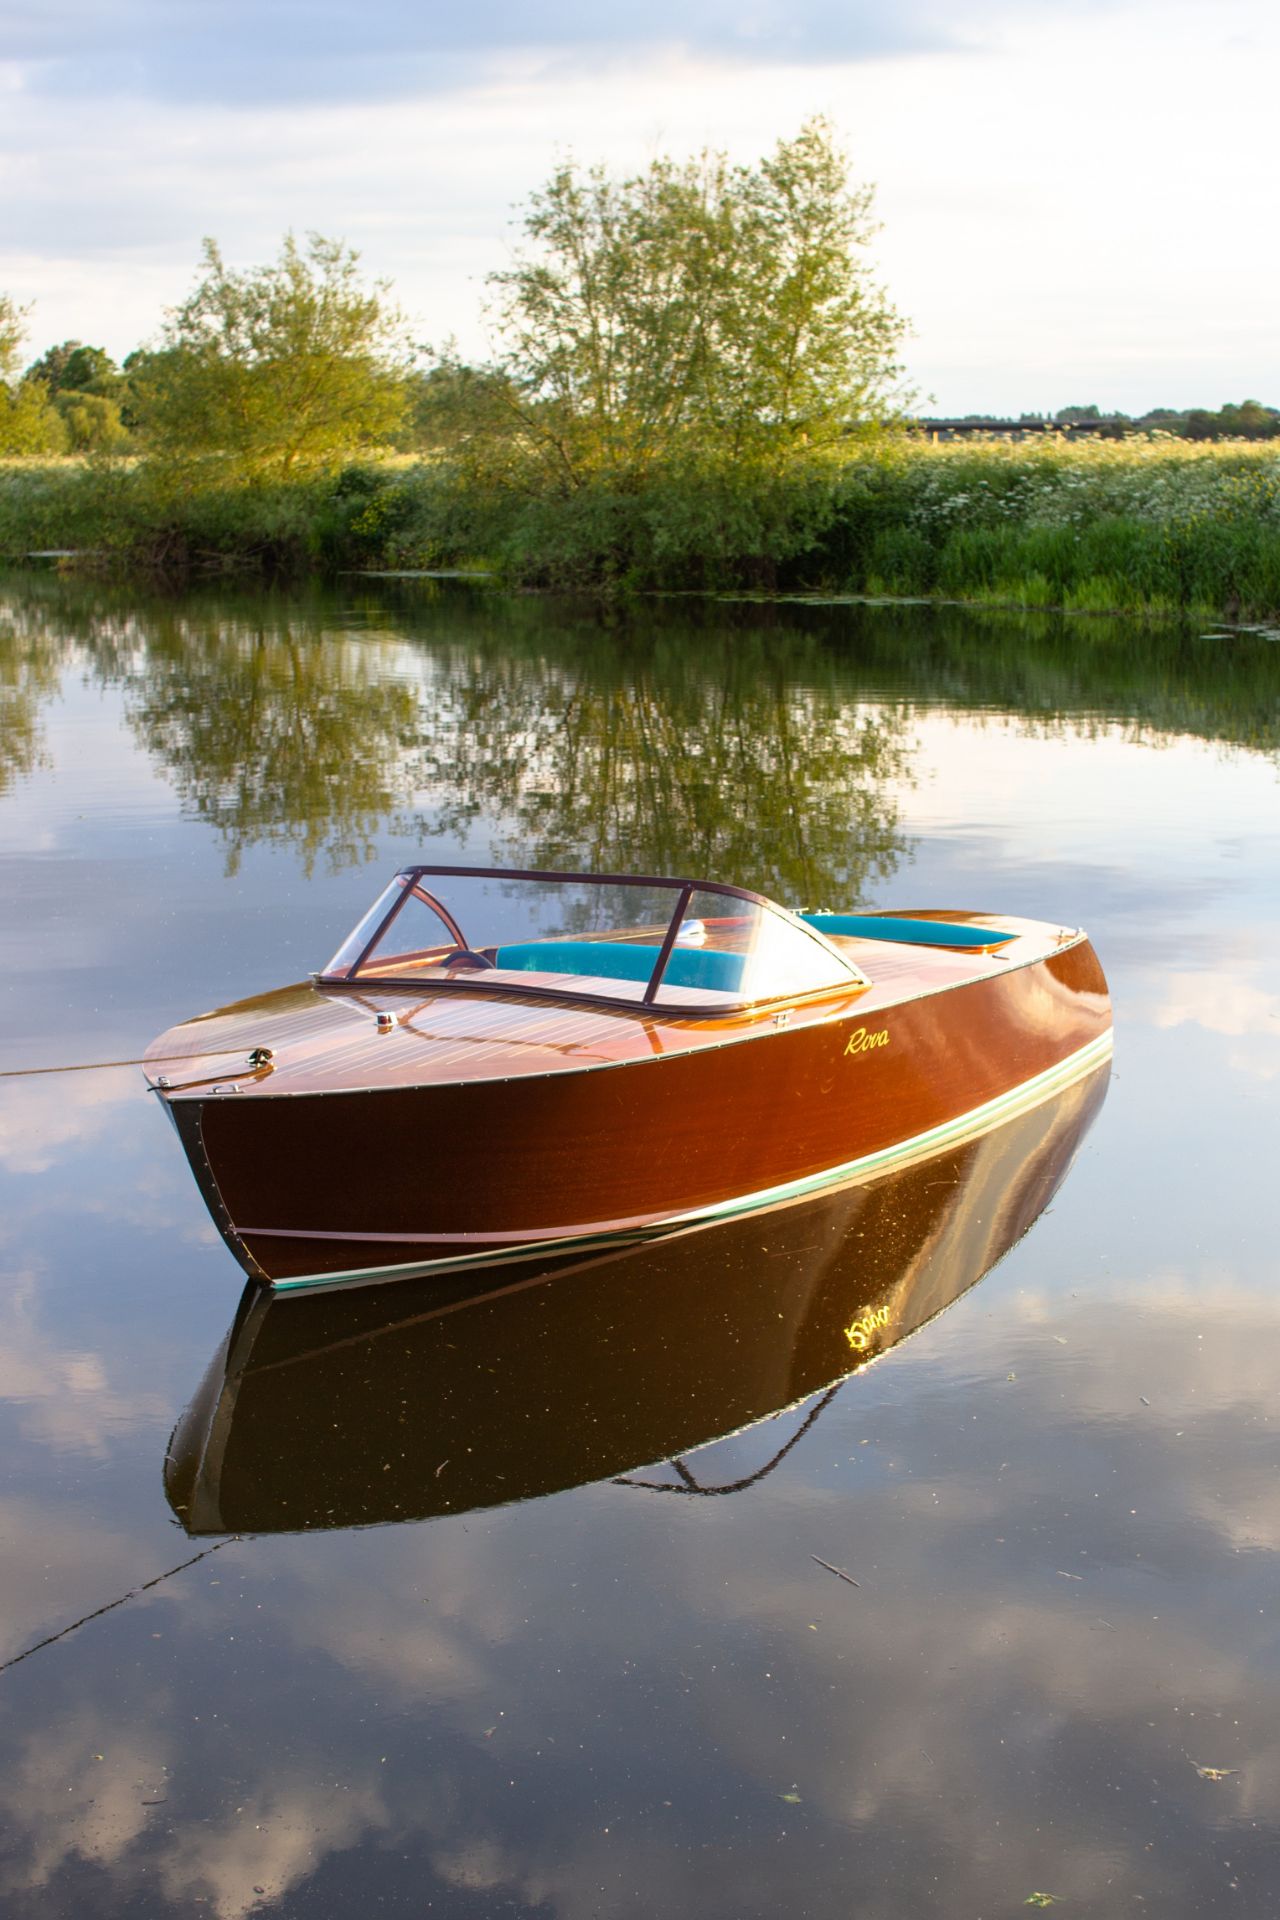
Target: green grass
1131,526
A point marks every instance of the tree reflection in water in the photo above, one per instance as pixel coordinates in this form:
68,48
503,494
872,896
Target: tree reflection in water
682,746
661,744
763,744
31,664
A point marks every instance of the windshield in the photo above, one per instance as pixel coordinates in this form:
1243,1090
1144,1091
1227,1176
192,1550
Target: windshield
662,943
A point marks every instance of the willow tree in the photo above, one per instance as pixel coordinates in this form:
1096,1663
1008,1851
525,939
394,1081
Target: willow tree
13,331
276,368
28,424
696,309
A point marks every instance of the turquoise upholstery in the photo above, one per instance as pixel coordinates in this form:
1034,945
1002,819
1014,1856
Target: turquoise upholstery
704,967
617,960
915,933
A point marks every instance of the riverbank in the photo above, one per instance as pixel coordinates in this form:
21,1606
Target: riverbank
1147,526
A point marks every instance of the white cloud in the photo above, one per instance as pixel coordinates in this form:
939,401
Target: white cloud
66,1397
922,1727
1221,1001
274,1838
44,1117
76,1789
1049,188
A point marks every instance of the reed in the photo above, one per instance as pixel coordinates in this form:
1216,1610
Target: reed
1133,526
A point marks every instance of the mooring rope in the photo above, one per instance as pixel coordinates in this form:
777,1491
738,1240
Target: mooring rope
51,1638
690,1485
101,1066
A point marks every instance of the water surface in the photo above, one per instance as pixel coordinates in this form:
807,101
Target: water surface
518,1606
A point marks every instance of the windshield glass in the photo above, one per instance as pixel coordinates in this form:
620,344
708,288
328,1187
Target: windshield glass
747,950
600,938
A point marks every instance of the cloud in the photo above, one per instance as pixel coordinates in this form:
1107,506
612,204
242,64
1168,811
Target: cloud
79,1788
1221,1002
76,1789
127,133
1226,1002
473,1703
68,1398
238,51
43,1120
269,1843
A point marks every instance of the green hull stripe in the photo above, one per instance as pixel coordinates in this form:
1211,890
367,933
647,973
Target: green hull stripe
1004,1107
977,1120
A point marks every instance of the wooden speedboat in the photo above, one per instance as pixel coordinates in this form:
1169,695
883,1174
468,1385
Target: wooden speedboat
499,1063
446,1393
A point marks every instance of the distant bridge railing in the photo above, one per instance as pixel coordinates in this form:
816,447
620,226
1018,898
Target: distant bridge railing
1018,429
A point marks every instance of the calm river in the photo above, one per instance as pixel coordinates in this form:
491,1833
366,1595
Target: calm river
636,1589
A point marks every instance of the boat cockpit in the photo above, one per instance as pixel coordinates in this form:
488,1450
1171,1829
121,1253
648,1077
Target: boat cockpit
665,946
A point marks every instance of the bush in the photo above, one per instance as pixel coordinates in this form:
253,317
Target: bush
29,424
1111,526
92,421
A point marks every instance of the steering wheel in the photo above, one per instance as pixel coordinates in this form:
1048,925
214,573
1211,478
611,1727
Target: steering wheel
466,958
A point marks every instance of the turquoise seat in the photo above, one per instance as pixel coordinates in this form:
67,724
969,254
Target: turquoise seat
704,967
915,933
619,960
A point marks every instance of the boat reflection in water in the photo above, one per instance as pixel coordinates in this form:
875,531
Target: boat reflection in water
422,1398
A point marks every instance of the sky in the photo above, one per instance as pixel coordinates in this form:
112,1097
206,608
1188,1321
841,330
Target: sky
1077,196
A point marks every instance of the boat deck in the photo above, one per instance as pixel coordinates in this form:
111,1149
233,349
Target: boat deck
324,1039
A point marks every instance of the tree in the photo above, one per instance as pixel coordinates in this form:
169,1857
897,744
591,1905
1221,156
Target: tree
75,368
86,388
1248,421
694,310
92,421
13,331
276,368
28,424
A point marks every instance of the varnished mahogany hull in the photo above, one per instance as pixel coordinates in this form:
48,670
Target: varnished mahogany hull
444,1393
325,1186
